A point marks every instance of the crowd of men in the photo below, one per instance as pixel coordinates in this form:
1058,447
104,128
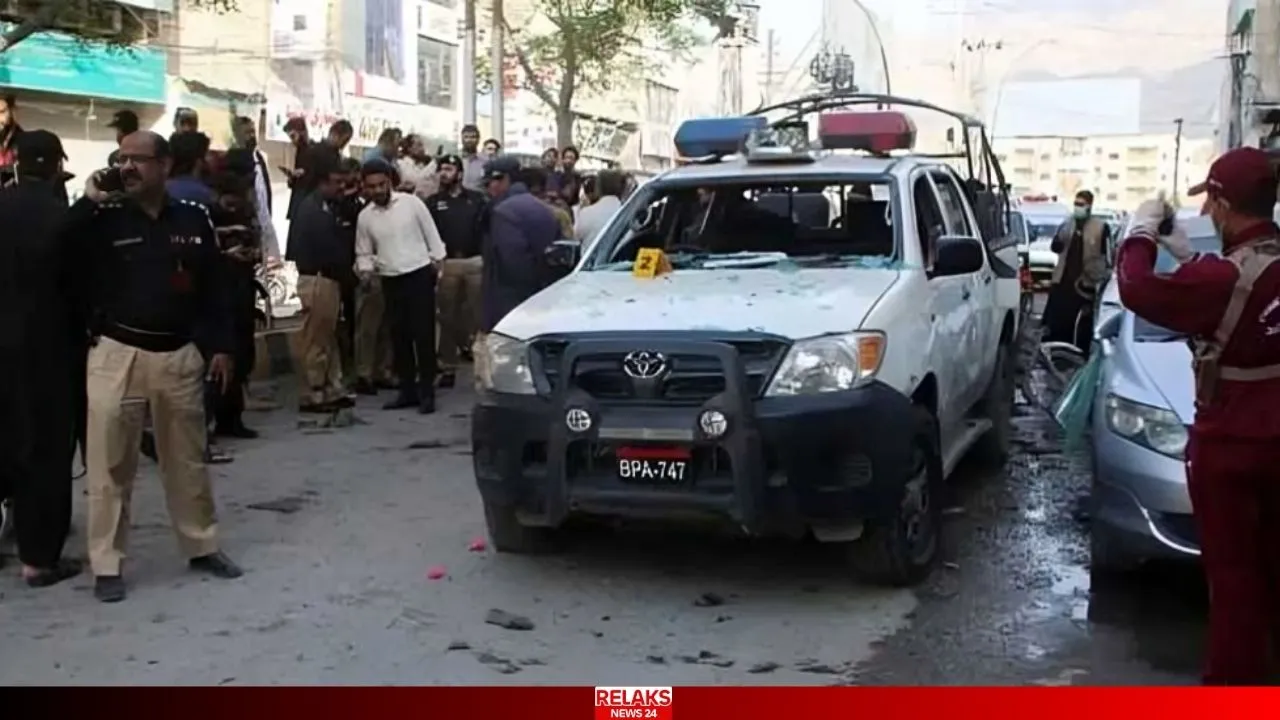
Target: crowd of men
127,319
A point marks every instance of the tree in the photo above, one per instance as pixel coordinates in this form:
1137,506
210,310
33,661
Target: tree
62,15
567,46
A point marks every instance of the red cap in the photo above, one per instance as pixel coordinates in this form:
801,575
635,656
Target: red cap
1243,177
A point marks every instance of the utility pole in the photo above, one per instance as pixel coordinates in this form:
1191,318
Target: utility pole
469,62
768,66
497,56
1177,152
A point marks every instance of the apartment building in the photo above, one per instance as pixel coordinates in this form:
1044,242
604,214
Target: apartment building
1121,170
376,63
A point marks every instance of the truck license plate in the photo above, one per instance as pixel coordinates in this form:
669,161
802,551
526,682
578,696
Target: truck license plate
653,465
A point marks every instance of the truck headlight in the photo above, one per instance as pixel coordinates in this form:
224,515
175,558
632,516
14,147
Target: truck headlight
1154,428
506,366
828,364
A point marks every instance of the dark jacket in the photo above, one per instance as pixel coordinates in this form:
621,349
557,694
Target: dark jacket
153,283
318,242
33,283
521,229
459,219
189,188
308,159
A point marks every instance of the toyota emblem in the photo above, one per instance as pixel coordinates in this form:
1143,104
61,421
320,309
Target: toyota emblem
644,364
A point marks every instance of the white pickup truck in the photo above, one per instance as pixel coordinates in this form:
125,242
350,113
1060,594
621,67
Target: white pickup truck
826,334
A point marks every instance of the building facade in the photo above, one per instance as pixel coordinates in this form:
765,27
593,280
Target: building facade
1120,170
78,105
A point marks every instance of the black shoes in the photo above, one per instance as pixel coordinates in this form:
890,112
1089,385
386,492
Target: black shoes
446,380
237,430
216,564
427,405
401,402
109,588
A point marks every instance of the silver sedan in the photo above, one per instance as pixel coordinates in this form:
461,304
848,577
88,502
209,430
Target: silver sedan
1144,406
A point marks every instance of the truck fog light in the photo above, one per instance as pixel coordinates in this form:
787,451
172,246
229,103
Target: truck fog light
577,420
713,423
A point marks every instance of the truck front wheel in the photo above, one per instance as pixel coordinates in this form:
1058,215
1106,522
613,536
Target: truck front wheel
508,535
900,550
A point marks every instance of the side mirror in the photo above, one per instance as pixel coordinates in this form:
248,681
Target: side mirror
1109,327
958,256
563,254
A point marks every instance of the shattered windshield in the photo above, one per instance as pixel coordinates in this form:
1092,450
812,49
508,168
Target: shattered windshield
756,223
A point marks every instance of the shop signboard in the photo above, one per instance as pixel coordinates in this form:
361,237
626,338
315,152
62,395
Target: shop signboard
57,63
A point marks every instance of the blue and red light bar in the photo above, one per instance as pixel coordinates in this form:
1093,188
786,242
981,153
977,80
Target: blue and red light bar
874,132
715,137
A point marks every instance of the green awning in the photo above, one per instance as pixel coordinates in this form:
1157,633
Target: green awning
1245,25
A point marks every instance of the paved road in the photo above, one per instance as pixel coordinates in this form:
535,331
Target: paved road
337,589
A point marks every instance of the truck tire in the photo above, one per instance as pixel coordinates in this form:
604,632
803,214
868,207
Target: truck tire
900,551
992,449
1109,563
508,535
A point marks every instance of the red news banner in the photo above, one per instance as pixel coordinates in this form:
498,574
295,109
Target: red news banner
661,703
638,703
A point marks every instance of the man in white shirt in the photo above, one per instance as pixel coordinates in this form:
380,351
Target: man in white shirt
245,131
397,238
417,168
592,218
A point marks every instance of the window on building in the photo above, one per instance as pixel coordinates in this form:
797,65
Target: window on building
1113,156
384,39
659,103
1045,157
1044,176
1112,197
436,73
1113,176
299,23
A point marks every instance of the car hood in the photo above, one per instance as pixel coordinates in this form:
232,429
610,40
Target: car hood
1168,367
791,304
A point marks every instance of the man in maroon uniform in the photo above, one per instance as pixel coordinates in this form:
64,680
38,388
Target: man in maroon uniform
1230,308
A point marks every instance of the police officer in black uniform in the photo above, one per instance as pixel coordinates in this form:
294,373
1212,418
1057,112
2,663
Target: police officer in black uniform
153,280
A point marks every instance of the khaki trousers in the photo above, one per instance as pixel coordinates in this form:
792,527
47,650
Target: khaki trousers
123,382
373,333
458,298
321,374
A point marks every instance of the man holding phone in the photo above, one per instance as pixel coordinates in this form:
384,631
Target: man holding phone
1230,308
151,276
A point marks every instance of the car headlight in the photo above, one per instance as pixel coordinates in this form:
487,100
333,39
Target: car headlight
828,364
1155,428
506,366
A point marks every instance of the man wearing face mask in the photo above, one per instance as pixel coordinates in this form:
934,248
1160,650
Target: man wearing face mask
1081,244
1230,307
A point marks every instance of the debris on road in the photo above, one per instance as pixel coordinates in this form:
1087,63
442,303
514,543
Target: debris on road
709,599
497,663
818,668
504,619
437,572
458,645
723,618
429,444
478,545
655,659
764,667
287,505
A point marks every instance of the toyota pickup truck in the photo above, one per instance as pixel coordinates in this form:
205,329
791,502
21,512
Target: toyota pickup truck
795,340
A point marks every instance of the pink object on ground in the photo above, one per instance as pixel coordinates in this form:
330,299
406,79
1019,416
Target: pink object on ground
478,545
437,572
